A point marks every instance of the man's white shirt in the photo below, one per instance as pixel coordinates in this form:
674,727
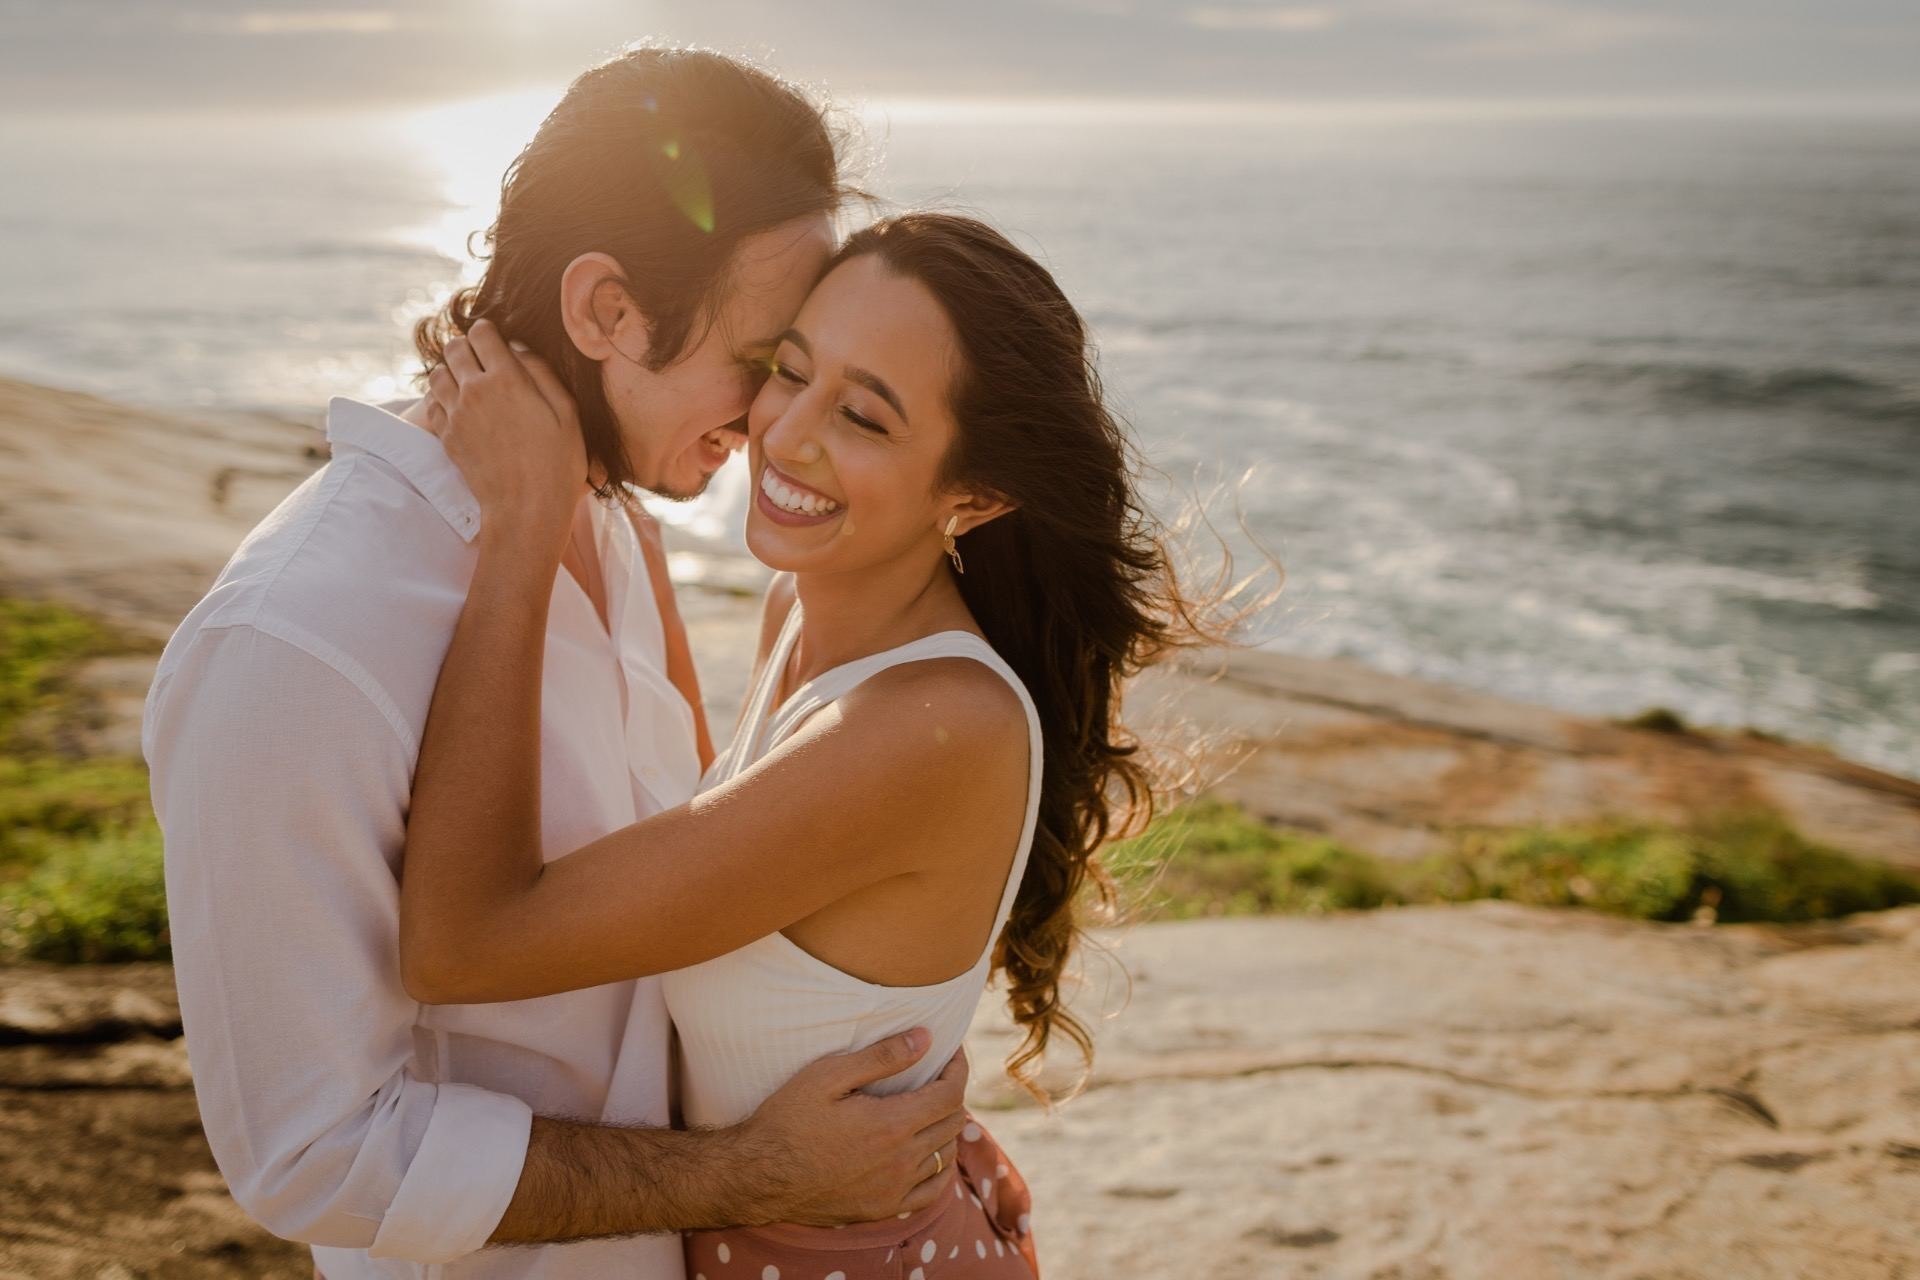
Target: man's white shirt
282,729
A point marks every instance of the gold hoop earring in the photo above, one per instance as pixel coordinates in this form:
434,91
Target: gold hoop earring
953,552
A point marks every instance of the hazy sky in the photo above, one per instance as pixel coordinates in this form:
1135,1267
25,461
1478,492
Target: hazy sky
63,54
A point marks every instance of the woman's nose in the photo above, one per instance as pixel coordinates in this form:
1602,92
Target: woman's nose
792,436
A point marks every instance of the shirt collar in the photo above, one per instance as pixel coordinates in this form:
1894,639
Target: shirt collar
412,451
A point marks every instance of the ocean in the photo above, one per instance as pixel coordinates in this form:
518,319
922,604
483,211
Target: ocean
1603,411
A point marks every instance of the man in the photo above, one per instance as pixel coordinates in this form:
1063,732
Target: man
658,233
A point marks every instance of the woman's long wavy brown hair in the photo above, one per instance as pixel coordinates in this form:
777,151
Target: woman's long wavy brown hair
1076,587
665,159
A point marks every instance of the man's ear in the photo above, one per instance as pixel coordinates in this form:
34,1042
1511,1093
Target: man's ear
974,510
601,317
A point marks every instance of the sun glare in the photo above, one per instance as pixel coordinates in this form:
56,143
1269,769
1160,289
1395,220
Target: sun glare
466,146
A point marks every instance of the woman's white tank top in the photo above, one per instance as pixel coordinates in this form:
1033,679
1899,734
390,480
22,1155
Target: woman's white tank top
748,1020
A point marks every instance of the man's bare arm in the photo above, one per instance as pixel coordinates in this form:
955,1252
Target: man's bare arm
817,1152
584,1180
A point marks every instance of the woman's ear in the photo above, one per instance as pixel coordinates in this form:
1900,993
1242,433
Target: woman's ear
972,510
601,318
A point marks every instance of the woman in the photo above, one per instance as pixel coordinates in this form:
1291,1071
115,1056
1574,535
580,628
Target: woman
928,761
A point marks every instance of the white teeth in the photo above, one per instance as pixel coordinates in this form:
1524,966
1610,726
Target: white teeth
789,499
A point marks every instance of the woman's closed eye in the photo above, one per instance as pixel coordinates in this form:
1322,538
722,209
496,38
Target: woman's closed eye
788,374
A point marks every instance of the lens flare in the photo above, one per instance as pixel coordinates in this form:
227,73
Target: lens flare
687,184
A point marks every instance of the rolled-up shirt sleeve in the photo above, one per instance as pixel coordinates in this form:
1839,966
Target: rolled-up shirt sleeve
281,785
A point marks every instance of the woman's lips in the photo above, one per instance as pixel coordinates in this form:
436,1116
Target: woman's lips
773,483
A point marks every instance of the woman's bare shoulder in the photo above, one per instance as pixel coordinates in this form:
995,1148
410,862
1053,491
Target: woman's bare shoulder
961,704
774,608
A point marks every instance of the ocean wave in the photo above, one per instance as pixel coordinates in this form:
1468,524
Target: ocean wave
1300,423
1843,392
1157,326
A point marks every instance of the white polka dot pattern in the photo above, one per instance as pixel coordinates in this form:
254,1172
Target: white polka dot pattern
933,1245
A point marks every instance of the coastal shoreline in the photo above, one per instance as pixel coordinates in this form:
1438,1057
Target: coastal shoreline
129,513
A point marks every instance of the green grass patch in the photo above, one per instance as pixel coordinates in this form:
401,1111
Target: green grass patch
81,872
40,645
47,801
91,901
1658,720
80,866
1668,721
1211,859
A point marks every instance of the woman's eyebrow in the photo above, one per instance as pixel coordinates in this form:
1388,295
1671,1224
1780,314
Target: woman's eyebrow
874,383
871,381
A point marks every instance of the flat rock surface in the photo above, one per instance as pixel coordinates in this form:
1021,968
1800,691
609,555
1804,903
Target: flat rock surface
86,1003
1473,1091
1486,1091
1390,764
130,512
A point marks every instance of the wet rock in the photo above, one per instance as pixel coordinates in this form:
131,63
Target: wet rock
124,1064
86,1004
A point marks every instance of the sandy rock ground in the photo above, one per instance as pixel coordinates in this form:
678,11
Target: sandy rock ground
1490,1091
130,511
1387,763
1479,1091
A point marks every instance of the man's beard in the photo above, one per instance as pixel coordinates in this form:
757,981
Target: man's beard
684,495
737,427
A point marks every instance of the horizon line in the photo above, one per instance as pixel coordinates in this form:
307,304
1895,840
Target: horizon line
1138,108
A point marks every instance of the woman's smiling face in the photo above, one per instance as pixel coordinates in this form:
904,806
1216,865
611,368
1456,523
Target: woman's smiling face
847,437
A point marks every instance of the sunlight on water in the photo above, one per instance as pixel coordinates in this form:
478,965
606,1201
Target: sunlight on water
467,146
461,150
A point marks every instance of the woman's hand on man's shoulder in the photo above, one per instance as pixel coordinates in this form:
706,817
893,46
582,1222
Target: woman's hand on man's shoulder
511,427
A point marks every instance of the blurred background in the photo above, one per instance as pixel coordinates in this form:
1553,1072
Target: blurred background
1575,344
1566,353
